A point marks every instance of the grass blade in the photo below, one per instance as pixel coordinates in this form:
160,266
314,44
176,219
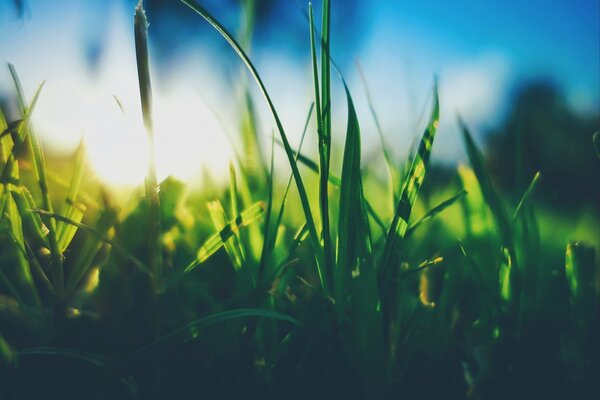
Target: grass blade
349,234
596,140
191,329
141,52
65,232
408,195
39,166
324,140
216,241
319,258
435,211
389,160
526,195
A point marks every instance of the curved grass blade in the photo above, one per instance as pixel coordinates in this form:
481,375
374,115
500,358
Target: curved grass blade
87,357
151,183
490,194
526,195
191,329
408,196
319,257
435,211
216,241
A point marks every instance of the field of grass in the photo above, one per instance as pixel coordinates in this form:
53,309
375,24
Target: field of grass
323,282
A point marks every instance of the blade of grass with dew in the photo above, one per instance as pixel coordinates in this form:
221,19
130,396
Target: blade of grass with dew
217,240
435,211
323,130
71,209
318,251
408,196
151,183
39,166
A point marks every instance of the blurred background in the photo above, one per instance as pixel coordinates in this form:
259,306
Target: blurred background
524,75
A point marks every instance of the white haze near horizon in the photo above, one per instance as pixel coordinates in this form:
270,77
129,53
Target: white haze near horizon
192,137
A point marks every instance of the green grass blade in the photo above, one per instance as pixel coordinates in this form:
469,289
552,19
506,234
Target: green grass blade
65,232
389,160
39,165
349,233
509,277
319,257
326,77
488,190
408,196
336,181
596,140
580,272
435,211
232,247
143,67
526,195
216,241
324,141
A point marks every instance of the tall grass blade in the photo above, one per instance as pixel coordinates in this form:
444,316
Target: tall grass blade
389,160
349,231
143,67
324,139
319,257
596,140
408,196
39,164
71,209
509,276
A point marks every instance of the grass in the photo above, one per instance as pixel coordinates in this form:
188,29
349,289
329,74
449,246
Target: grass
254,298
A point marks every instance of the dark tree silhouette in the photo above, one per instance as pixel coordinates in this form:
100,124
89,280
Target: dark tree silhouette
542,132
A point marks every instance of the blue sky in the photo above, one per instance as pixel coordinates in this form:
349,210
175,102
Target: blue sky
478,49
